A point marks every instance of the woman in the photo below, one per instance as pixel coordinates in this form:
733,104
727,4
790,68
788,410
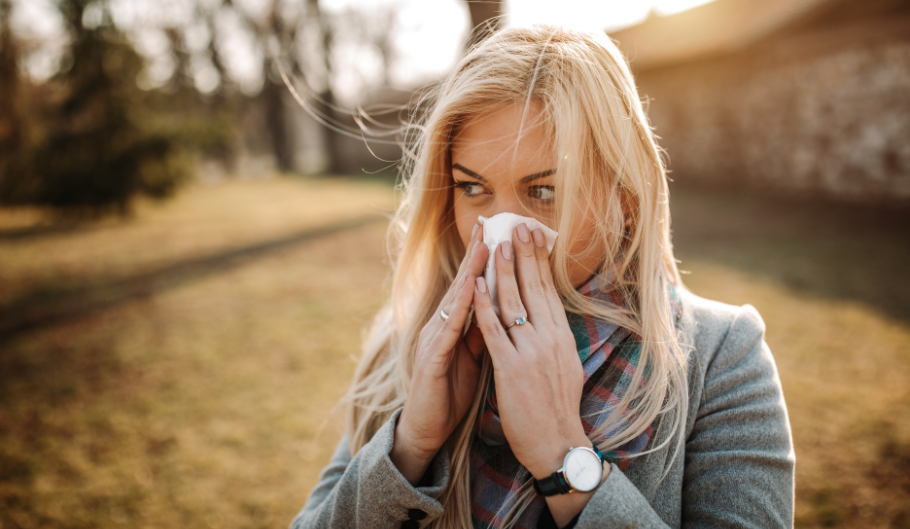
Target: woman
457,420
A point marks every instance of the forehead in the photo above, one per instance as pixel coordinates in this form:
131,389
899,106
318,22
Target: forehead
510,141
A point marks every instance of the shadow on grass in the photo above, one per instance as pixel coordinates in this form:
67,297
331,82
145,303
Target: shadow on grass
32,232
40,381
43,231
835,251
52,306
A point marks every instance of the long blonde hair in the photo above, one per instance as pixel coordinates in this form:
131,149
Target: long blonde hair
609,165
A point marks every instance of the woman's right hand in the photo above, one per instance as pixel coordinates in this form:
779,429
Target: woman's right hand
436,401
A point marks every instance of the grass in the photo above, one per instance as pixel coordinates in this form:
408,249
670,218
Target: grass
208,402
199,406
831,283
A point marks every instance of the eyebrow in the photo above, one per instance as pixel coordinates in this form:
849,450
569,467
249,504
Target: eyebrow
524,179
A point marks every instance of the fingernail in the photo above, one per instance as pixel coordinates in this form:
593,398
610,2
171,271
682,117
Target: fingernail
523,233
481,285
476,247
506,250
539,239
474,231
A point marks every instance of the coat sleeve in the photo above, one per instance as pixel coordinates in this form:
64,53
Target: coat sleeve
739,461
369,491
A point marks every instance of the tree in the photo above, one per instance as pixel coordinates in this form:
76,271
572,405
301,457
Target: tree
486,18
98,153
10,118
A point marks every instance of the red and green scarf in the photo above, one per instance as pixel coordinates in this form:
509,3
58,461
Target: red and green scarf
610,356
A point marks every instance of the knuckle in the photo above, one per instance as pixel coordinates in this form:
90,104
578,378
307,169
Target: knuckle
495,331
536,288
527,250
513,304
451,327
551,289
482,300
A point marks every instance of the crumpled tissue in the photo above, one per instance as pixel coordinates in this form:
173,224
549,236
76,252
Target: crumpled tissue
499,228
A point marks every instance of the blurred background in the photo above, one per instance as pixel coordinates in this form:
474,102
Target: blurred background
188,254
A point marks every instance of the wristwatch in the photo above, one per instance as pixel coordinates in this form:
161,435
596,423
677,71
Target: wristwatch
581,471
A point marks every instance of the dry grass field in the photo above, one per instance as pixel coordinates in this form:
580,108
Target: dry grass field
832,284
180,369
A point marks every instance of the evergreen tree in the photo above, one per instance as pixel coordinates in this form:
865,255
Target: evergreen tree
10,119
98,151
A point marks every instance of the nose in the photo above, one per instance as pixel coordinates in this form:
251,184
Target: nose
508,202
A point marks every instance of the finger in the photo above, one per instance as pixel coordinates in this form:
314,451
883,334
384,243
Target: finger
548,284
474,267
510,304
502,352
473,263
451,329
476,237
529,284
479,253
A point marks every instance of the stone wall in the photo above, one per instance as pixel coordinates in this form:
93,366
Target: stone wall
834,123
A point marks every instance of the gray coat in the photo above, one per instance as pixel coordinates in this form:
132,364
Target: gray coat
735,468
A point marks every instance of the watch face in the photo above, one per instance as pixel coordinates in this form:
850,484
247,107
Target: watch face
583,469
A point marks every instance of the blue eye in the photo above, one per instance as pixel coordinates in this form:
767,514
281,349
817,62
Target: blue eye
542,193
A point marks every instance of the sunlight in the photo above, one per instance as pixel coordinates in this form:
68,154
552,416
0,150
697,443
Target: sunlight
669,7
593,15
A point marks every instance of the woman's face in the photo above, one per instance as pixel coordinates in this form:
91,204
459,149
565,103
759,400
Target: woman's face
495,171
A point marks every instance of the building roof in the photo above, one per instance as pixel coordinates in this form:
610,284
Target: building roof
721,26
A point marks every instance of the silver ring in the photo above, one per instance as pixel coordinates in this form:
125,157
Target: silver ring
520,321
443,315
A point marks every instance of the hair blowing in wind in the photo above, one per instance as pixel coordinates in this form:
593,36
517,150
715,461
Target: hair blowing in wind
609,167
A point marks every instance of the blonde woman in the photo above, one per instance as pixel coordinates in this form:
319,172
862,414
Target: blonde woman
602,394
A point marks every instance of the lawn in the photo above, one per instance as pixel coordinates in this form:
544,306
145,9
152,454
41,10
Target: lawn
832,284
180,369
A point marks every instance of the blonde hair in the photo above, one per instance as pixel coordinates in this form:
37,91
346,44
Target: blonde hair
609,166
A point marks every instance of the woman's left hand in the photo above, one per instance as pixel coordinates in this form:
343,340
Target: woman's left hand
536,369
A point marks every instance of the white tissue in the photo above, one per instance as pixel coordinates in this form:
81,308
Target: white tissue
499,228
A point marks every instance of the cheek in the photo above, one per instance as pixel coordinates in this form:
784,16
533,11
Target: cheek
581,237
578,249
577,246
586,252
465,219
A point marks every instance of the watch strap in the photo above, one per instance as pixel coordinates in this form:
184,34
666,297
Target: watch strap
552,485
600,454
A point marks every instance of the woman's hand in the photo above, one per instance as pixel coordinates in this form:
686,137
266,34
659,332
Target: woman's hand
539,378
446,371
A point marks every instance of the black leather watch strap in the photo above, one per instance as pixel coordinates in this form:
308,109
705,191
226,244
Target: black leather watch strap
554,484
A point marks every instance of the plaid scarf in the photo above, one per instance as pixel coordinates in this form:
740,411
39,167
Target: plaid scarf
609,355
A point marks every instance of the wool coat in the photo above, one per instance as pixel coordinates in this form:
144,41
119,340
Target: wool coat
735,467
